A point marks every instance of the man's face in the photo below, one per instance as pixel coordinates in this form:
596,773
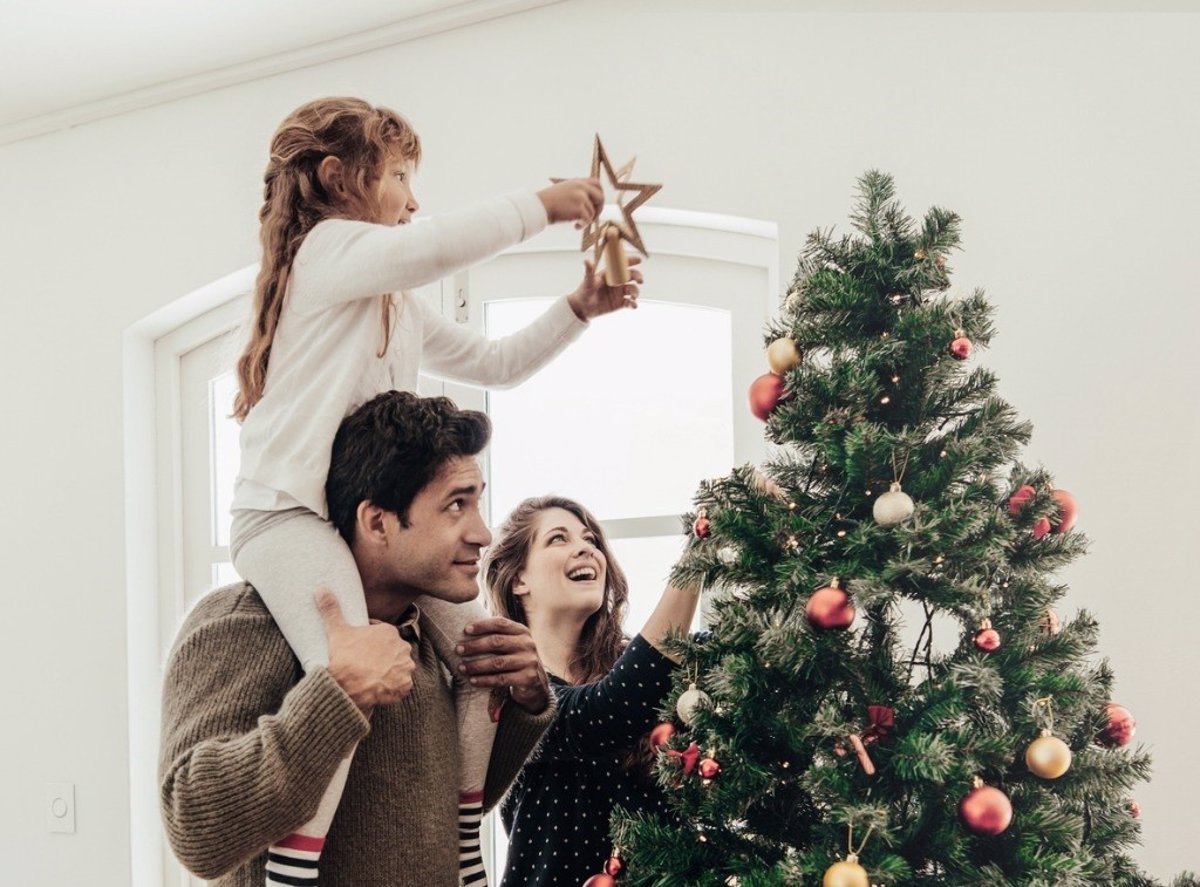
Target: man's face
438,552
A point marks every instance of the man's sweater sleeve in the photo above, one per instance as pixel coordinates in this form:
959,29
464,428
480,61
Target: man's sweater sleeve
246,752
517,735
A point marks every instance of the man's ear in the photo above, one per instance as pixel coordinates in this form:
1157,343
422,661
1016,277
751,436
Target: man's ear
331,173
370,523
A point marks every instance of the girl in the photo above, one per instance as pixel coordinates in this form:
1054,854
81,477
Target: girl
332,327
551,569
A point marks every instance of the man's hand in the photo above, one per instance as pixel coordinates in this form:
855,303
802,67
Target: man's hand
372,663
501,653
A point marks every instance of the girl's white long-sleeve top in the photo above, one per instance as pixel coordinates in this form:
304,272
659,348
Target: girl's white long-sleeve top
324,360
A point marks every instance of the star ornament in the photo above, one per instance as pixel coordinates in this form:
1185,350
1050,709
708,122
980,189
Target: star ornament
618,180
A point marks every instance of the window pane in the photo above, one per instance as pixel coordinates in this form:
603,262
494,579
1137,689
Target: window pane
647,563
224,574
226,457
627,420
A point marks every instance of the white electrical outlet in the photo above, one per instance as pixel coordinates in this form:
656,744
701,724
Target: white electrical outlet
60,806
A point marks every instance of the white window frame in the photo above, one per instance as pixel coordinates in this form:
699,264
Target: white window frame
155,583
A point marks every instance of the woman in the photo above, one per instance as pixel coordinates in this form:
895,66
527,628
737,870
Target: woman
551,569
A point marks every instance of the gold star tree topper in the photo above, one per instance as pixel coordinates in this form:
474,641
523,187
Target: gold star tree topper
607,235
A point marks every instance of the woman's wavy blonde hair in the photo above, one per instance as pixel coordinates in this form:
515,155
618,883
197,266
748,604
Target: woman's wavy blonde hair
363,137
601,641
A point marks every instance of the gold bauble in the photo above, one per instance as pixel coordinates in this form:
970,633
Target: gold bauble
782,355
846,874
1048,757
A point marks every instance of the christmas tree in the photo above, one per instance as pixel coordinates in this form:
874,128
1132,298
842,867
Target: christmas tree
807,741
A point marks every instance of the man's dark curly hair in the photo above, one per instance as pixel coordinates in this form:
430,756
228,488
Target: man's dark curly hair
387,450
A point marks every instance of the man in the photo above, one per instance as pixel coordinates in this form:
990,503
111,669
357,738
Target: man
250,742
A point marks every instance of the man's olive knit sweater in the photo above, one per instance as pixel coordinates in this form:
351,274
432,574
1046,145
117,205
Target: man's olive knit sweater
249,743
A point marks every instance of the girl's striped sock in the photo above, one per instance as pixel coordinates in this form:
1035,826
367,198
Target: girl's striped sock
471,872
293,861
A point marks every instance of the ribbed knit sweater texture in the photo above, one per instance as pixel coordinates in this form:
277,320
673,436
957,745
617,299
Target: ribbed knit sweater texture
249,743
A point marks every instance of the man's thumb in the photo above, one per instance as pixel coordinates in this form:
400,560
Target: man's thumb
329,608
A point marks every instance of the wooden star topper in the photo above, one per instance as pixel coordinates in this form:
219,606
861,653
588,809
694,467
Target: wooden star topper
594,235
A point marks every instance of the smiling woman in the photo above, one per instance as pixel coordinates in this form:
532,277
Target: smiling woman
551,568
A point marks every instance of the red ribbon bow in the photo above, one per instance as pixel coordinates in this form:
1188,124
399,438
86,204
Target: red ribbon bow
882,719
689,756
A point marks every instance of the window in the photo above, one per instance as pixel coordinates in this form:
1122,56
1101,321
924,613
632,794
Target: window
627,420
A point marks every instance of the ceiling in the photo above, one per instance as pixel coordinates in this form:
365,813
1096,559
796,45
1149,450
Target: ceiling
68,61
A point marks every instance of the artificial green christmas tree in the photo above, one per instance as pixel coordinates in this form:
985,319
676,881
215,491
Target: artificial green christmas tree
808,743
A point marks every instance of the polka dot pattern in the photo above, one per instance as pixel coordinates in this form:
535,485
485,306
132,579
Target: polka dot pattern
557,812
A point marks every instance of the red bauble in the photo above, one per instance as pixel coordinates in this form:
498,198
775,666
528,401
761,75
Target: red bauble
1041,527
1018,499
701,527
1068,511
601,880
1135,809
960,348
1121,725
709,768
765,392
830,608
661,735
987,638
613,866
986,810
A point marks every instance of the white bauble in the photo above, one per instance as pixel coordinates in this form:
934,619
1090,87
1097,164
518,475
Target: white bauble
893,507
689,701
728,555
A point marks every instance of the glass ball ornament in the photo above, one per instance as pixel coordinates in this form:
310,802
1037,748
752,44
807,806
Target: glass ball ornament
961,347
782,355
986,810
987,638
689,701
661,735
893,507
765,393
847,873
1068,511
1048,757
1120,727
830,608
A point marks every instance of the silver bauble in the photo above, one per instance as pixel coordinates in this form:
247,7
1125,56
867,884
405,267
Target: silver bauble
893,507
689,701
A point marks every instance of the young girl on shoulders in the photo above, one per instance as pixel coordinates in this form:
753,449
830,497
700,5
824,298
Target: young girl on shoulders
334,325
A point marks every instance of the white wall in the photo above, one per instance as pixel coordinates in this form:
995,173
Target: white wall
1068,142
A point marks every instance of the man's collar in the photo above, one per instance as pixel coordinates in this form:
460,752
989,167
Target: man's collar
409,624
